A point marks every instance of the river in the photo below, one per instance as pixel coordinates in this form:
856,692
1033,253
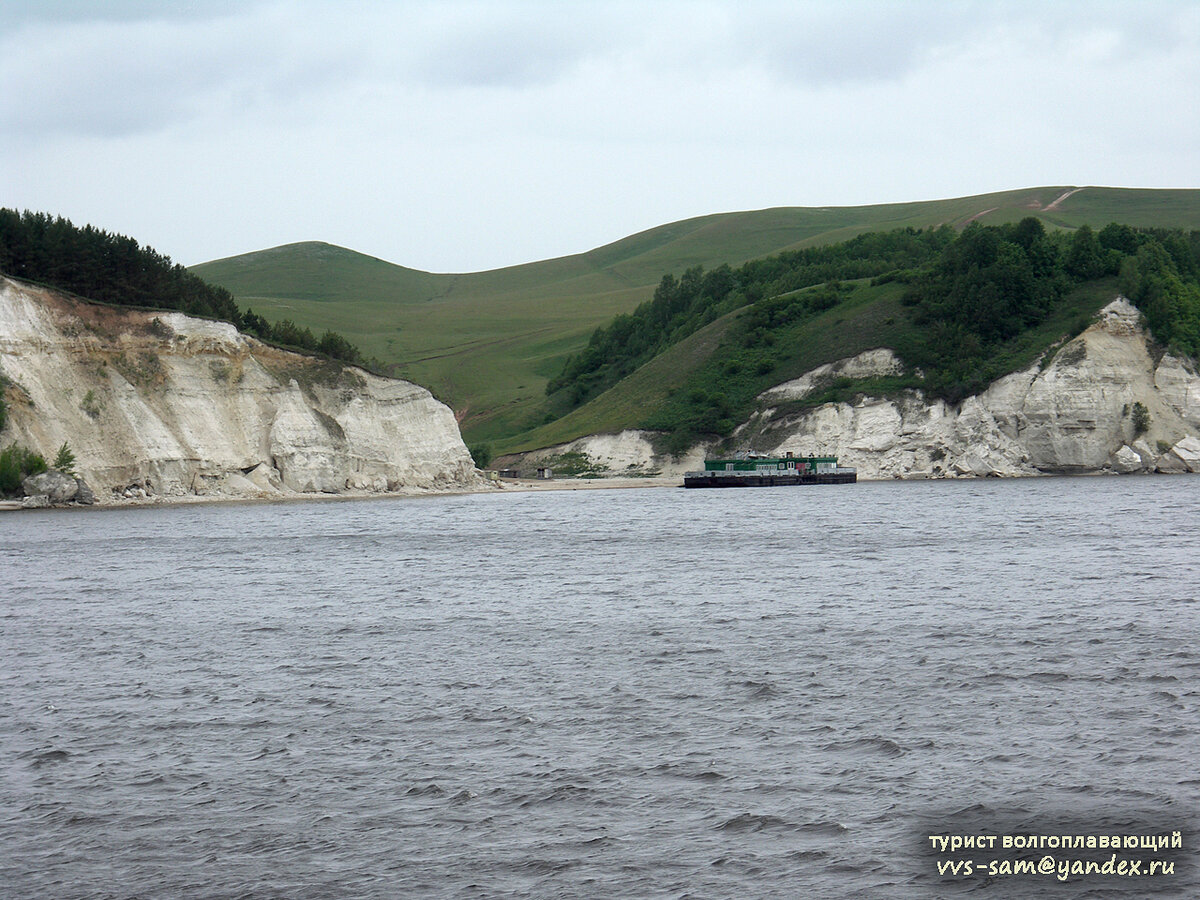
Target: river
775,692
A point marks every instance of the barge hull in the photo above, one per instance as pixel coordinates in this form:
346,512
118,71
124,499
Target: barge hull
765,479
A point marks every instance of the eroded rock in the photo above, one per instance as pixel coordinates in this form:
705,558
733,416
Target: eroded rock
266,477
55,486
84,494
1070,414
1127,461
1183,457
180,403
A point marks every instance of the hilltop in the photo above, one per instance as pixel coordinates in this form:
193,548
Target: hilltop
489,342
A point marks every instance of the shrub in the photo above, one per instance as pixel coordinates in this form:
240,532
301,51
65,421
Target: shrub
1141,419
17,464
91,405
482,454
65,460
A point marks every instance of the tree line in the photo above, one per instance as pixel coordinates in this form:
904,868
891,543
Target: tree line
681,306
115,269
993,283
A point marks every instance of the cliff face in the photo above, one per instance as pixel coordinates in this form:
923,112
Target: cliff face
1074,414
161,404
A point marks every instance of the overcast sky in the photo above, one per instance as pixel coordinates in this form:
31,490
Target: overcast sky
455,136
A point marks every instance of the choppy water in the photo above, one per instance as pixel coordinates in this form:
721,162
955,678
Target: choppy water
645,693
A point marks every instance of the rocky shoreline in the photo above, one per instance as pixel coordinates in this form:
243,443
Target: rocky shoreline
134,499
55,488
507,486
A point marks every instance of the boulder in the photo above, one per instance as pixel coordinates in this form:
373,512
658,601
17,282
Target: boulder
1126,461
1148,454
970,463
54,485
1170,464
84,494
38,501
983,461
134,492
1187,451
266,477
376,484
204,484
235,484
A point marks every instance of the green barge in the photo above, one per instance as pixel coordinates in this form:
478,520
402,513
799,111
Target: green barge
749,470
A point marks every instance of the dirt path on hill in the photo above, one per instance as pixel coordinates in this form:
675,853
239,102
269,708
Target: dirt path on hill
978,215
1061,198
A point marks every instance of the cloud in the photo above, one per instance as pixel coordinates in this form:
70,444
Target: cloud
117,69
829,44
120,76
454,135
16,14
822,44
504,46
72,70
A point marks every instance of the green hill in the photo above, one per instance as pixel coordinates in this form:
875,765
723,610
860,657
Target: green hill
960,309
488,342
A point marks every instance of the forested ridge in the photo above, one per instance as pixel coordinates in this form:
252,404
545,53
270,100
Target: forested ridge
994,283
683,305
115,269
972,306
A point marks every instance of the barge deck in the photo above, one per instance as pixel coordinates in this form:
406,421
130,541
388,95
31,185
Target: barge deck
753,470
757,479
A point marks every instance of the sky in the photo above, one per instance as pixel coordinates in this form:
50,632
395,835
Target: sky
456,137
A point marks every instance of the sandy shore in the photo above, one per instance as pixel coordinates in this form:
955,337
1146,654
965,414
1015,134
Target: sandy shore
587,484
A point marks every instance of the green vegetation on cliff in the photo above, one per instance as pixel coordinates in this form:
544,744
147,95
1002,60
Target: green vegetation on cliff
993,285
16,464
109,268
114,269
959,311
682,306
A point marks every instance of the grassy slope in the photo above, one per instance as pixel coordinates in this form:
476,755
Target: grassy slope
626,403
487,342
870,317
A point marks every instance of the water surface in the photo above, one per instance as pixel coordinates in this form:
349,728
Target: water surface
644,693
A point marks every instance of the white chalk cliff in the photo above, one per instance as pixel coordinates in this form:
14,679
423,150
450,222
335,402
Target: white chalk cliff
165,405
1072,412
